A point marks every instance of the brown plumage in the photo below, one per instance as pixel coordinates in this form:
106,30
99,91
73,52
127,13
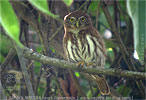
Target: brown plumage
83,43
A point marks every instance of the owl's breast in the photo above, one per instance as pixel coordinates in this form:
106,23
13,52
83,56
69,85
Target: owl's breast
80,49
73,51
85,49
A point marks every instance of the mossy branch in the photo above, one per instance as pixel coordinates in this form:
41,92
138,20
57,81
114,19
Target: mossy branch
29,54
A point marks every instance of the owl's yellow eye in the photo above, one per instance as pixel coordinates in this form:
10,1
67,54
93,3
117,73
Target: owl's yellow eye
82,19
72,20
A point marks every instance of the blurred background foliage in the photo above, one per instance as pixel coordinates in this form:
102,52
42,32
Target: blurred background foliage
41,29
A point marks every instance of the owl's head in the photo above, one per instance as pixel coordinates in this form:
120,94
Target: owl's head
77,20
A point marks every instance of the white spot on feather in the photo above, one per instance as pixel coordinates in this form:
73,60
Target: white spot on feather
91,44
69,45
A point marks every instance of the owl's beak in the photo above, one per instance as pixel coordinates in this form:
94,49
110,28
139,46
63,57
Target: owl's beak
77,24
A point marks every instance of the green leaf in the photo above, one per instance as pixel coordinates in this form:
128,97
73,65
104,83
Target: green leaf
39,49
37,67
53,50
137,12
5,44
89,93
41,89
2,58
110,44
93,6
124,90
77,74
42,5
68,2
110,54
9,20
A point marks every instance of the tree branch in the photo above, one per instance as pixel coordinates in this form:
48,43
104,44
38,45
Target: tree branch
23,62
7,60
123,49
2,94
29,54
57,31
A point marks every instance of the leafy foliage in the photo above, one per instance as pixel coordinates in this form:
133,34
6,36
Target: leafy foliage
9,20
42,6
68,2
136,11
93,6
124,90
5,44
54,81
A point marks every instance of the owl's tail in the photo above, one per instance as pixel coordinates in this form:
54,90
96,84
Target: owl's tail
102,85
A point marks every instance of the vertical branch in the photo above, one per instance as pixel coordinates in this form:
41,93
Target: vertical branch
2,94
123,49
23,62
84,4
38,79
98,9
24,30
7,60
87,6
77,85
43,42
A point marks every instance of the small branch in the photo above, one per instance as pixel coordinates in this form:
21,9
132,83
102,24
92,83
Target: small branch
84,4
29,54
97,14
7,60
87,6
23,62
38,80
123,49
53,36
2,94
77,85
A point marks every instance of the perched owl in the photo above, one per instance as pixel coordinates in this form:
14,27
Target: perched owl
83,44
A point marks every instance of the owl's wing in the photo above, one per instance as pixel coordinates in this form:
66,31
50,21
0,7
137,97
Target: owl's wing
65,44
100,47
96,34
65,48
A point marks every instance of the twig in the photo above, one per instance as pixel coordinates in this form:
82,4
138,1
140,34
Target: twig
29,18
29,54
2,94
55,33
63,86
97,14
59,87
24,31
90,84
123,49
87,6
23,61
7,60
30,65
77,85
43,42
83,5
38,80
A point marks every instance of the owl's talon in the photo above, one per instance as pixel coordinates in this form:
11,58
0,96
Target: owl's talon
90,64
81,64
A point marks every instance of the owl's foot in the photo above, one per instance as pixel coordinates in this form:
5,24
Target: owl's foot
81,64
91,64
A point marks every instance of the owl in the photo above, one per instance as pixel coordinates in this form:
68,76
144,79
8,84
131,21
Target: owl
84,45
